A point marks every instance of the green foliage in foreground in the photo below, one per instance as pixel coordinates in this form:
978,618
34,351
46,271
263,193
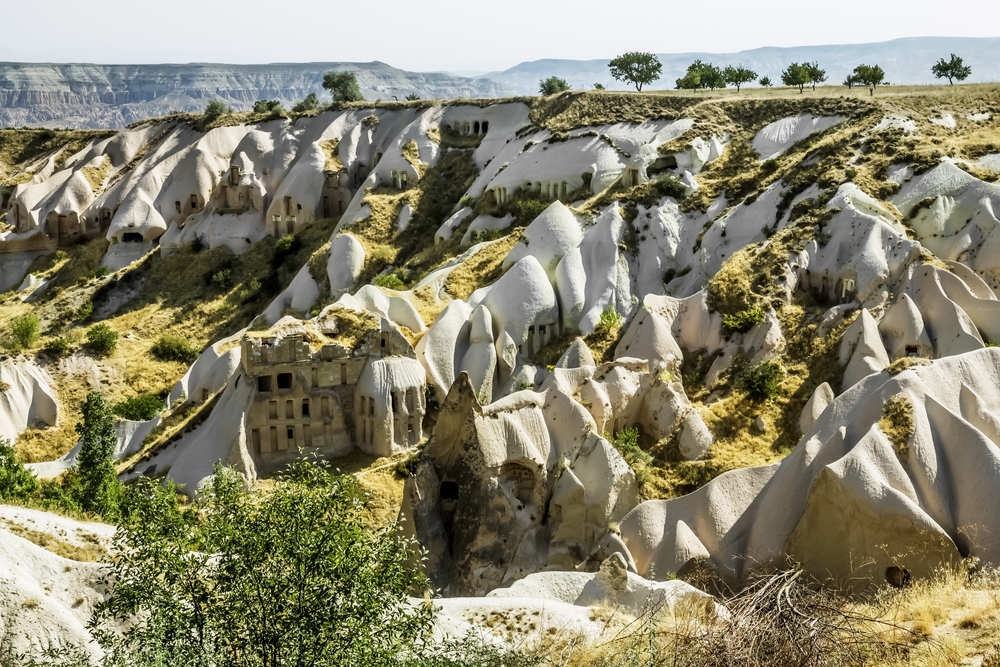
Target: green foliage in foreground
16,481
296,577
102,339
99,490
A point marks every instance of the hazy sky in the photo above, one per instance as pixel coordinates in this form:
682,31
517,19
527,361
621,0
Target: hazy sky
481,35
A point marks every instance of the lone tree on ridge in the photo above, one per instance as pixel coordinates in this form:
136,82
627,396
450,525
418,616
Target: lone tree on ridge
869,75
637,68
343,86
738,75
702,75
951,69
552,86
816,75
796,75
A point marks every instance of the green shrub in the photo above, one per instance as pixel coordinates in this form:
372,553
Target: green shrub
488,234
389,281
627,443
743,321
197,244
223,278
761,381
610,319
552,86
98,271
216,108
287,245
268,106
174,348
24,331
84,312
528,210
139,408
57,347
16,481
310,103
102,339
668,186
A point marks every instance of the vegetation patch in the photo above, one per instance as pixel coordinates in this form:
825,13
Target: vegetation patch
484,267
897,422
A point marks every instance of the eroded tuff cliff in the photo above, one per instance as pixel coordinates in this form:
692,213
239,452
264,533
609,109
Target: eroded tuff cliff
783,304
112,96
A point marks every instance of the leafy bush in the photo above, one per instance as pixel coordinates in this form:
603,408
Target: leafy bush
84,312
610,319
197,243
552,86
668,186
389,281
267,106
174,348
488,234
16,481
743,321
310,103
627,443
24,331
102,339
216,108
337,593
412,97
57,347
139,408
223,278
287,245
98,272
761,381
528,210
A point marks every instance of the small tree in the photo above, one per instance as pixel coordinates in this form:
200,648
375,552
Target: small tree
637,68
24,331
690,81
310,103
295,577
342,86
552,86
412,97
950,69
598,86
816,74
738,75
216,108
99,490
16,481
765,82
851,81
869,75
712,77
796,75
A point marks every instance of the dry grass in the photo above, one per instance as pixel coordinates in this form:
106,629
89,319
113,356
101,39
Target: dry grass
88,553
897,422
96,176
483,268
19,147
333,162
411,154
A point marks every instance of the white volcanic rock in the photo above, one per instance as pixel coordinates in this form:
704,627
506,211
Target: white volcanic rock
548,238
821,397
846,502
27,400
779,136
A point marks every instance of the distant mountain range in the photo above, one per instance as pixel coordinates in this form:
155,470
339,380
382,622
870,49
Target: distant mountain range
905,61
111,96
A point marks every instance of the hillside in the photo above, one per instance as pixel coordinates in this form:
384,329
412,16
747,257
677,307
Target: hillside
606,337
112,96
906,61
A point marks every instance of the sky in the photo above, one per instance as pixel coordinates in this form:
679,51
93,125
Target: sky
471,36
